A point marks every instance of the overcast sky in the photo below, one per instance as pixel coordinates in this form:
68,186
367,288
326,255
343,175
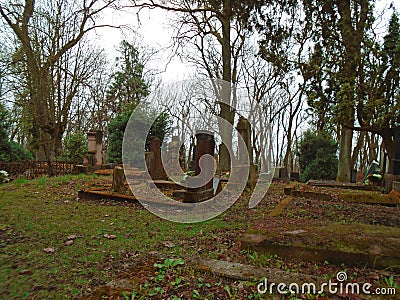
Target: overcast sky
153,27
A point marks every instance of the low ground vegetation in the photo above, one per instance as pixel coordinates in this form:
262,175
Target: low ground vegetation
57,246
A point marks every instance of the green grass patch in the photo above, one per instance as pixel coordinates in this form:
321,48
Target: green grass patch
41,214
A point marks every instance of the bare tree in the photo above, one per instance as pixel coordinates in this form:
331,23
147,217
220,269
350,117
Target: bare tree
216,30
47,31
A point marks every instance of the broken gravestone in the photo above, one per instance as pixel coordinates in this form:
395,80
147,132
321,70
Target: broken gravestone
118,180
246,150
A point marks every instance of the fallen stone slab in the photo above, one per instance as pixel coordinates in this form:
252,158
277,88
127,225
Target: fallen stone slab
343,185
100,194
370,198
238,271
352,244
291,191
96,194
280,207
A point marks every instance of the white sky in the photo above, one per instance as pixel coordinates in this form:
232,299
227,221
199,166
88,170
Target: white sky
155,32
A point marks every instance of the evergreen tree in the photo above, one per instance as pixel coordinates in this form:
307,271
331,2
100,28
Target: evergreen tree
75,147
127,89
317,156
127,86
10,150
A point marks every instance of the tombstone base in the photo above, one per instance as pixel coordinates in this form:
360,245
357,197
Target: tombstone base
82,169
193,196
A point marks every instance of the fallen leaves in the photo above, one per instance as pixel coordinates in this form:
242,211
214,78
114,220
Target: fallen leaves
69,242
70,239
110,236
26,272
168,244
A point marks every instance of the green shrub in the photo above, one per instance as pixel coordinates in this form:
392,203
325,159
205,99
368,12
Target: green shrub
10,150
317,156
75,147
116,129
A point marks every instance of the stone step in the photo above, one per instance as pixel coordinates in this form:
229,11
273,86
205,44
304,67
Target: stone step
352,244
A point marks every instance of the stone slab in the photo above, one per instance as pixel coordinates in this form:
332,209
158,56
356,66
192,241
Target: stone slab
104,172
96,194
343,185
198,196
179,193
290,190
369,198
281,206
165,184
238,271
358,245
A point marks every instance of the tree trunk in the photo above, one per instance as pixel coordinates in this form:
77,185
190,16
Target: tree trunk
226,111
357,149
389,147
345,162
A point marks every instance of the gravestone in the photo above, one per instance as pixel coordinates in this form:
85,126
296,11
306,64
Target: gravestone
118,180
281,173
246,151
93,159
175,153
94,156
205,145
155,166
394,175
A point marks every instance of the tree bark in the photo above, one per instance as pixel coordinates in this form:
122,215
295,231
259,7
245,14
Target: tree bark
345,162
226,111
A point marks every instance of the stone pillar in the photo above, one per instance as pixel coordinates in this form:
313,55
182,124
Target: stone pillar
205,145
93,159
244,129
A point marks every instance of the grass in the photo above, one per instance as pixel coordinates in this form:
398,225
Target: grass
42,213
